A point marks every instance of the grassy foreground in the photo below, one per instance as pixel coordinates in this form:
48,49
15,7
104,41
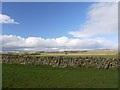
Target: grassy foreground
29,76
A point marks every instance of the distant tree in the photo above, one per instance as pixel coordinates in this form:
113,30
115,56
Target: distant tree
66,52
41,51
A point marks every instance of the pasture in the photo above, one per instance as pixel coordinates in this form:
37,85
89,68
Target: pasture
30,76
89,52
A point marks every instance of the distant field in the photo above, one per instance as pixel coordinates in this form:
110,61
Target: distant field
104,56
89,53
28,76
95,53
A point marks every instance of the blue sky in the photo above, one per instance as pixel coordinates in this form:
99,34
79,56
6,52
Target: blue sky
58,26
46,20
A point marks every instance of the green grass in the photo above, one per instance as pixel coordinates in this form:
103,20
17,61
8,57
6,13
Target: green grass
30,76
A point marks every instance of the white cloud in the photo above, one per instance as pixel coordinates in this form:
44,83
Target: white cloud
12,42
102,20
5,19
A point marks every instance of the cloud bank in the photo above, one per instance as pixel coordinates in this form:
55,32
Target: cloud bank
5,19
17,43
102,20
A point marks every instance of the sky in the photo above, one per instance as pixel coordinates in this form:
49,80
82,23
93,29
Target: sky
60,26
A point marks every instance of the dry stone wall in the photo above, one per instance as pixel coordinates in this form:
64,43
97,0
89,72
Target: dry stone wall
61,61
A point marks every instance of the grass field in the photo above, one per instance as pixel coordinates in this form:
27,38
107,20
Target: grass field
93,53
29,76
